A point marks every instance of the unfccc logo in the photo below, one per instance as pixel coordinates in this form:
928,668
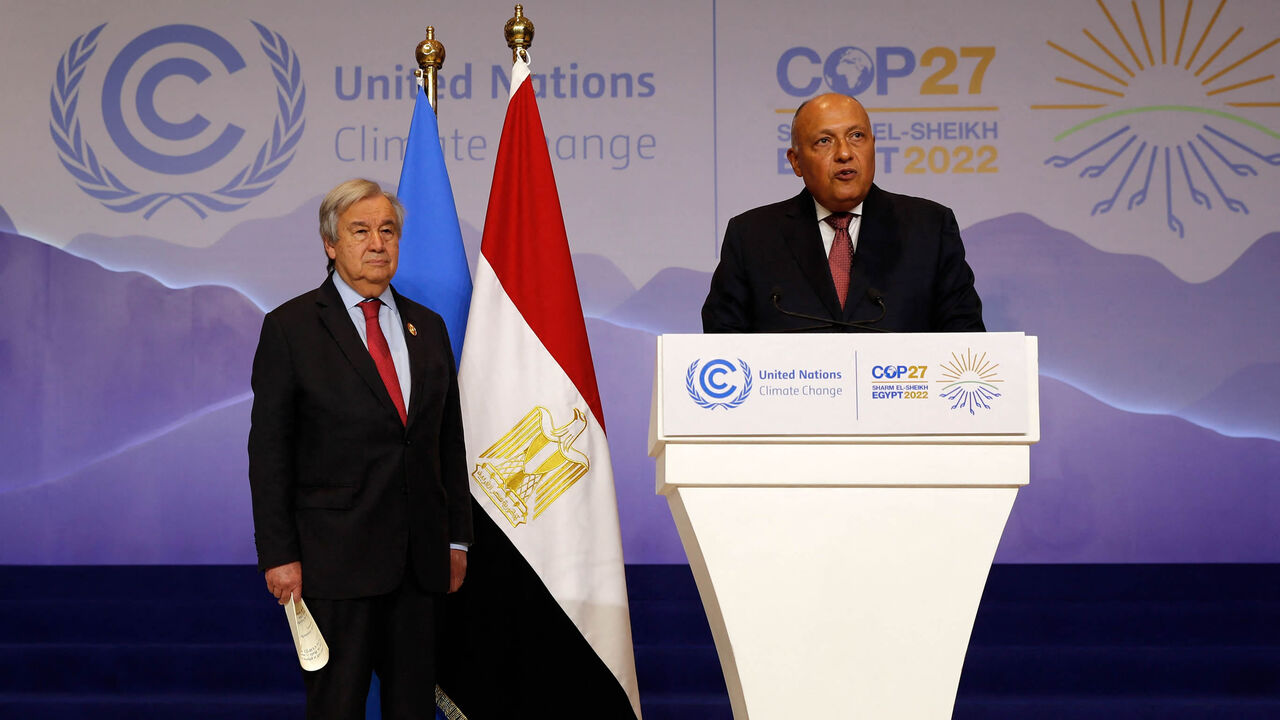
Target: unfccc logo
719,380
168,141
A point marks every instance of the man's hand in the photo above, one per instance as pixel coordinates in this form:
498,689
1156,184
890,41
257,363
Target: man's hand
286,580
457,568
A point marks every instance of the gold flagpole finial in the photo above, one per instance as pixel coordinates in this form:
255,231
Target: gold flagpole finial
430,57
519,32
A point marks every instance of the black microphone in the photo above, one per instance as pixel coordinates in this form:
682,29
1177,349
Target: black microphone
877,297
874,295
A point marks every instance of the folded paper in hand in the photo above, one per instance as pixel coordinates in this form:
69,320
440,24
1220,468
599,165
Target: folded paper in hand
313,652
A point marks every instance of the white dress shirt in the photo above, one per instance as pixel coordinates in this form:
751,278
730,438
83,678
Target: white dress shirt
829,233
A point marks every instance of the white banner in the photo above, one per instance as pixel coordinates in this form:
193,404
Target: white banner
836,384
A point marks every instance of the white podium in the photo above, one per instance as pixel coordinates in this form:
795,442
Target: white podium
840,499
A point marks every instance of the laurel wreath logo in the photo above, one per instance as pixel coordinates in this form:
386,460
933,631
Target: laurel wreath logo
97,181
738,399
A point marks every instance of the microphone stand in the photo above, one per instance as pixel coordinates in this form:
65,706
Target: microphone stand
872,294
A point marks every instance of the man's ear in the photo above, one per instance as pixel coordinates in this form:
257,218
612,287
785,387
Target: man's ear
794,160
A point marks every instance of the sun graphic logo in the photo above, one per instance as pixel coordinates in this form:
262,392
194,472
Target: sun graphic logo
969,382
1178,95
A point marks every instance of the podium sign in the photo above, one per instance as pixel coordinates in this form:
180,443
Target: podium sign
840,499
840,384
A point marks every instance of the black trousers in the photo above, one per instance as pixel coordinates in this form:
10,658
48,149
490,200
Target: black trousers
392,635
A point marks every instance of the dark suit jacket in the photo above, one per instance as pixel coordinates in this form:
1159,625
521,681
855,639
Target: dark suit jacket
338,482
908,248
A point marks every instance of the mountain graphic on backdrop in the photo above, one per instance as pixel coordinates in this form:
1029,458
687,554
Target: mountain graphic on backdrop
1245,405
1120,327
135,397
178,496
1125,329
1157,487
1115,486
269,260
101,359
1106,485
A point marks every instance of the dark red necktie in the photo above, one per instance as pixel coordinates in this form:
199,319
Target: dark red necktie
382,354
841,257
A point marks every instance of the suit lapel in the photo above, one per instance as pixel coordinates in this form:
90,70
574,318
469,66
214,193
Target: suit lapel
876,241
337,321
417,357
805,241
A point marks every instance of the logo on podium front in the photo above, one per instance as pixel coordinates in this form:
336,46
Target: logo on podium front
718,383
969,382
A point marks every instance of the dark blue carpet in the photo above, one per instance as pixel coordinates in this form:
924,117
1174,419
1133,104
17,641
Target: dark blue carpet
1063,642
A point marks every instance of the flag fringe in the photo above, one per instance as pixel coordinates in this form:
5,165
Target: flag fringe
445,705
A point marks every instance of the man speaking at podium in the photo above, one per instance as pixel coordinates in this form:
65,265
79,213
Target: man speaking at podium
843,255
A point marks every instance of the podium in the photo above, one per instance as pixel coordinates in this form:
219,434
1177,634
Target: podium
840,499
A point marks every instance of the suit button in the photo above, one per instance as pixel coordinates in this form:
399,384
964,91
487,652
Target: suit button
407,443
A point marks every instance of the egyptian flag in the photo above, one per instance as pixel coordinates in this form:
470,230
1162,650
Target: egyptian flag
541,625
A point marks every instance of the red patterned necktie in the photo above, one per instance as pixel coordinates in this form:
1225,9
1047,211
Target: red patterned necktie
382,354
841,257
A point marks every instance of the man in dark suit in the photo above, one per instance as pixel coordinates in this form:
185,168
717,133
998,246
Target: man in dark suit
843,249
357,465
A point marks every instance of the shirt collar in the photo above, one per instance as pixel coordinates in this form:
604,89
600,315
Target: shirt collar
351,298
823,212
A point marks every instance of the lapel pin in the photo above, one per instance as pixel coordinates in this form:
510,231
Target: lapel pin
412,330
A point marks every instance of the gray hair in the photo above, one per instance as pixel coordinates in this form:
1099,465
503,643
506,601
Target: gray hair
341,198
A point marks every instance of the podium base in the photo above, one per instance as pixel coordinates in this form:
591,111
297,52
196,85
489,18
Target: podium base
853,598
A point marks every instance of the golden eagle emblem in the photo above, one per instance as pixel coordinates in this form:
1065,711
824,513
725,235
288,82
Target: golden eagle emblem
532,465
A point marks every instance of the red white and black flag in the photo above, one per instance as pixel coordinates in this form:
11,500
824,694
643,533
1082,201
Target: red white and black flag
541,626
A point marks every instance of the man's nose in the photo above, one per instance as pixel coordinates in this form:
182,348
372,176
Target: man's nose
376,243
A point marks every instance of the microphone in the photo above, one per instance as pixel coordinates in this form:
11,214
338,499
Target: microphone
874,295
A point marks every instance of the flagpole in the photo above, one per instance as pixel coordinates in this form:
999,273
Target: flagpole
519,32
430,57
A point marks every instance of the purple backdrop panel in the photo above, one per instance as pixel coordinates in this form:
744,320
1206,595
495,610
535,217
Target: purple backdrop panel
129,399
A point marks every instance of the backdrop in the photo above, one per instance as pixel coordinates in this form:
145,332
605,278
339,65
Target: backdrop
1113,166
